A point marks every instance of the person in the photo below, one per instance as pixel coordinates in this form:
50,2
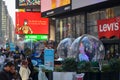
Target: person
30,65
24,70
82,54
5,73
25,28
2,60
14,75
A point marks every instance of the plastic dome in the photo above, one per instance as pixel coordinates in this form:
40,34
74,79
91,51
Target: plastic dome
63,48
87,48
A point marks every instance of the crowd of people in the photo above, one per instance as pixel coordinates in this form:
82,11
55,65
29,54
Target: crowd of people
15,66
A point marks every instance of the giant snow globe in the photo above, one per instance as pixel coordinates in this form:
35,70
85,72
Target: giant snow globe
63,48
87,48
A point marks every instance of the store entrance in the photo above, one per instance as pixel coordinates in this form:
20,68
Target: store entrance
112,48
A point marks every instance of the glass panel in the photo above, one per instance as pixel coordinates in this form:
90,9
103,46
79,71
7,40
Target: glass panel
64,28
61,29
116,11
73,27
92,23
78,26
109,13
57,31
69,25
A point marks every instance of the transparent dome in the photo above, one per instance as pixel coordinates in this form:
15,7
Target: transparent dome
87,48
63,48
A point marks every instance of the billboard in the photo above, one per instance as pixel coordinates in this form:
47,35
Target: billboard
27,4
83,3
54,6
36,37
31,23
109,27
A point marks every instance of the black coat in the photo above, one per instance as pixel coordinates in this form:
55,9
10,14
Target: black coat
4,75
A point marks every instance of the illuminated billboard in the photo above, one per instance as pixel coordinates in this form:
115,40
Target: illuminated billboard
83,3
27,4
54,6
36,37
31,23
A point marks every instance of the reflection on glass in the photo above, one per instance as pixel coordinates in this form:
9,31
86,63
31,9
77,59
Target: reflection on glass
88,48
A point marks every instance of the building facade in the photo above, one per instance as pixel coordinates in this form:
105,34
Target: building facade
82,19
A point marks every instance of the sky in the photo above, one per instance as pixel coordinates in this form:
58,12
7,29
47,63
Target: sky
11,8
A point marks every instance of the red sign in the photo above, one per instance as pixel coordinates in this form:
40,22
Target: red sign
31,23
109,27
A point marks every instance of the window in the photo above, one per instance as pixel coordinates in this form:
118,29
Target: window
92,23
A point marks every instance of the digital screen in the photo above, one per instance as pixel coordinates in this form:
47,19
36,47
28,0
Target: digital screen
52,4
55,5
36,37
31,23
83,3
27,4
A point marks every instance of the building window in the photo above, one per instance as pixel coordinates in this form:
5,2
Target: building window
80,25
64,28
57,36
73,27
116,11
92,23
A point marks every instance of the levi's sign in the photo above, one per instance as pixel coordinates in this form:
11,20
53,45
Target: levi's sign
109,27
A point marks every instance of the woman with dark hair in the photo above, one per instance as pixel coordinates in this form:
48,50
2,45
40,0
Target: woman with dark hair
30,65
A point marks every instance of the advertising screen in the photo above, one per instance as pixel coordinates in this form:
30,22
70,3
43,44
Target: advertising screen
82,3
52,5
36,37
31,23
27,3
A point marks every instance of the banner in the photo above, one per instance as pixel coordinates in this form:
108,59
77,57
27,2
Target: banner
109,28
49,59
12,46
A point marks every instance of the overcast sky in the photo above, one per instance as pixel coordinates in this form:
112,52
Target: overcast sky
11,8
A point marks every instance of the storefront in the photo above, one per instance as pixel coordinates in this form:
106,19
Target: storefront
109,33
82,19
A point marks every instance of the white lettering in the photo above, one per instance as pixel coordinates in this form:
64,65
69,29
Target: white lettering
67,8
105,27
109,27
116,26
49,13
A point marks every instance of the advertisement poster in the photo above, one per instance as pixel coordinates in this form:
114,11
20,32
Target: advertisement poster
31,23
12,47
49,59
